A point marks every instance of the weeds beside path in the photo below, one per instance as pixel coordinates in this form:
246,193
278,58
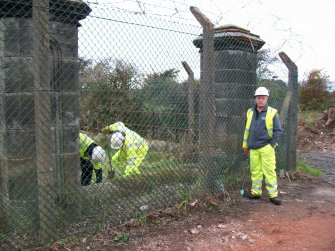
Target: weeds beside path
324,161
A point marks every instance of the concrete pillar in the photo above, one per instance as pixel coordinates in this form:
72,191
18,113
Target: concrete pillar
18,172
235,81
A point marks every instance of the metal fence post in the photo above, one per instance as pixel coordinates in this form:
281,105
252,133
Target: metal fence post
42,106
207,98
60,74
292,116
190,99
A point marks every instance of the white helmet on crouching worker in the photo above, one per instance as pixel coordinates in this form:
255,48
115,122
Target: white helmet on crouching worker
117,140
98,154
261,91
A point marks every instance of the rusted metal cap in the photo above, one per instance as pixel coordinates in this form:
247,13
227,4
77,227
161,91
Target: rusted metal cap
232,37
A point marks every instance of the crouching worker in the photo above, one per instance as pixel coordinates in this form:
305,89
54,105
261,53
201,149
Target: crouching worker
91,158
132,149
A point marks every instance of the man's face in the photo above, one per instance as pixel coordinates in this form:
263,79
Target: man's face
261,101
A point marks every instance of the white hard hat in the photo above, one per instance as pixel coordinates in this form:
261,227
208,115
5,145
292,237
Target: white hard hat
261,91
117,140
98,154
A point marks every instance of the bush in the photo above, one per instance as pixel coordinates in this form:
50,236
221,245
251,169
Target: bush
109,94
313,92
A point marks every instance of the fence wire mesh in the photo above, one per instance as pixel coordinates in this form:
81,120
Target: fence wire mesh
106,114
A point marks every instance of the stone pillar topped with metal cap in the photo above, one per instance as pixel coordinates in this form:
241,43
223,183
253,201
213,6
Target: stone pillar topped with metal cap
18,127
235,81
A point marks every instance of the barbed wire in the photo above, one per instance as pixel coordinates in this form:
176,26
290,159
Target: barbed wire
174,17
180,12
143,25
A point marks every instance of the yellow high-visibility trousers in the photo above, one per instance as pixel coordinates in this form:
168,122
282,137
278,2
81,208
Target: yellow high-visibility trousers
263,163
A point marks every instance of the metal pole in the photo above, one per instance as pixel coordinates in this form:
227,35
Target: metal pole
207,98
43,133
190,90
292,115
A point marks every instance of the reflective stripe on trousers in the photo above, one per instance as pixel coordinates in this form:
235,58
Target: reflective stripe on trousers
263,163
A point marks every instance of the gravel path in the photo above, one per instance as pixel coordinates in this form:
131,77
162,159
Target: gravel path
325,161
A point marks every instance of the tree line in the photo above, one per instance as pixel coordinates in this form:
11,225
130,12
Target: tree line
156,105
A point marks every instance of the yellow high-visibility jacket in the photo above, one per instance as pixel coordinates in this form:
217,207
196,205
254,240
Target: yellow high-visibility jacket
84,143
132,152
270,114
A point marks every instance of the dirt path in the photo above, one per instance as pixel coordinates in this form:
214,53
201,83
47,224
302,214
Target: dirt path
305,221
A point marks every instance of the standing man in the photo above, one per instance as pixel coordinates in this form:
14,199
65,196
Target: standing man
132,149
261,135
91,158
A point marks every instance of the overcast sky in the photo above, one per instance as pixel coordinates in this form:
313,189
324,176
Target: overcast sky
302,29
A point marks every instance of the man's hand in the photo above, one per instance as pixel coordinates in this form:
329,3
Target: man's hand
246,151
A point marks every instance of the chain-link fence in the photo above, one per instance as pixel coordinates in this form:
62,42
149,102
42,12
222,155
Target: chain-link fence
106,114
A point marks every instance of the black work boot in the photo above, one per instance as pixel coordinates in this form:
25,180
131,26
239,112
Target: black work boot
275,201
252,197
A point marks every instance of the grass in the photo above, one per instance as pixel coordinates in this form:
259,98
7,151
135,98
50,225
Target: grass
309,117
3,237
121,237
154,160
309,169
